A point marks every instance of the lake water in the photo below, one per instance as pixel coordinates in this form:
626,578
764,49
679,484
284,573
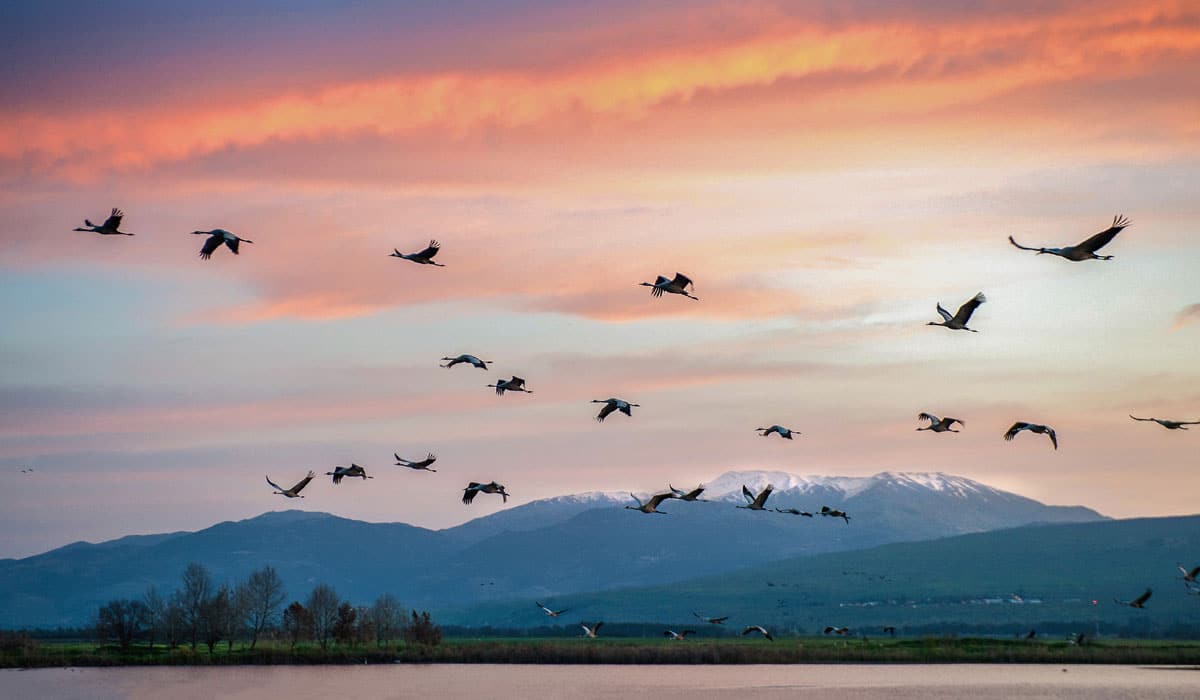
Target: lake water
848,681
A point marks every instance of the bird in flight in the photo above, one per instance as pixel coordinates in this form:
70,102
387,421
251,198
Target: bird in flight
1087,249
835,513
785,433
469,359
110,227
794,511
340,473
216,237
711,620
1033,428
890,631
678,285
590,632
678,636
1169,424
842,631
693,495
475,488
514,384
760,630
423,465
1139,602
650,506
938,425
293,492
958,322
1189,576
611,405
549,612
756,502
423,257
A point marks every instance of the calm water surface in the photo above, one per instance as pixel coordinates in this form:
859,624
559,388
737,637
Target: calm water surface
976,682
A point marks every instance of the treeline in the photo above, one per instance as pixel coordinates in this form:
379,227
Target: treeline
201,612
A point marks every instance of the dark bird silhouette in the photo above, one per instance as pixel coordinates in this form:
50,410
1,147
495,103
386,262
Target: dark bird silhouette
293,492
1033,428
514,384
785,433
958,322
474,488
1087,249
835,513
1139,602
890,631
678,285
469,359
678,636
760,630
1169,424
549,612
794,511
1189,576
340,473
110,227
938,425
423,465
611,405
756,502
216,237
590,632
650,506
423,257
711,620
1031,635
840,631
693,495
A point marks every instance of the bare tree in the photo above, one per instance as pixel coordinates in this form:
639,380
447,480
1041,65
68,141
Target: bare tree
323,606
344,626
174,620
297,623
387,617
260,598
215,615
156,609
123,619
197,588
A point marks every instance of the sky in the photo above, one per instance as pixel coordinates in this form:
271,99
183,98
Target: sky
826,172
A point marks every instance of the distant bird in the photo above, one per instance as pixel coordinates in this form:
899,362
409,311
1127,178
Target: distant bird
1189,576
340,473
711,620
890,631
475,488
1031,635
611,405
842,631
469,359
1087,249
1033,428
27,471
756,502
759,629
514,384
293,492
109,227
549,612
958,322
693,495
424,257
785,433
1077,639
650,506
1139,602
678,636
794,511
216,237
938,425
1170,424
590,632
835,513
678,285
423,465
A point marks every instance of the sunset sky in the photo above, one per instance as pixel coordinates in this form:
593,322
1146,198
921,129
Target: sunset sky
825,172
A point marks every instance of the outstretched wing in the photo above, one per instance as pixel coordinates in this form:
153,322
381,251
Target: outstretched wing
429,251
516,382
762,495
113,222
1193,573
470,491
1141,419
604,412
1053,436
1016,428
951,421
211,244
274,485
596,627
302,483
943,313
682,281
1103,238
926,417
748,495
232,244
1140,600
659,498
1022,247
965,311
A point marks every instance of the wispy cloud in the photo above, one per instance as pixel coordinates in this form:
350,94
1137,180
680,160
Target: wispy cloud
1187,316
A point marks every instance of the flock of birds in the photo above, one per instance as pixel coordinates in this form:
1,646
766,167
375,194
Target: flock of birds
682,285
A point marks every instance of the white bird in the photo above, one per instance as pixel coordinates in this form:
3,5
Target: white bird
514,384
1087,249
353,470
590,632
938,425
216,237
423,257
756,502
551,613
293,492
650,506
469,359
109,227
678,636
785,433
1169,424
475,488
1033,428
958,322
693,495
423,465
614,405
678,285
759,629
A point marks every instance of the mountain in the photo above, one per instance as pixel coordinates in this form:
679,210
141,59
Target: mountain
557,546
1055,578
